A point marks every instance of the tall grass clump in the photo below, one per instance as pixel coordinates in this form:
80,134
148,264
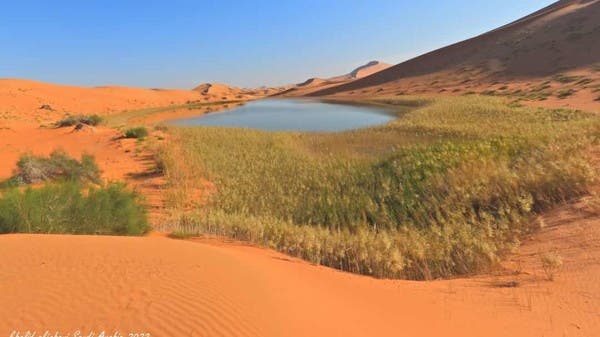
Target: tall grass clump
62,207
443,190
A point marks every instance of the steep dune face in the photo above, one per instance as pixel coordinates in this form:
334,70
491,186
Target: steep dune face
559,38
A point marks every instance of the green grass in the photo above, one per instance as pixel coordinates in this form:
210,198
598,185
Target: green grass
71,120
446,189
62,207
136,132
68,197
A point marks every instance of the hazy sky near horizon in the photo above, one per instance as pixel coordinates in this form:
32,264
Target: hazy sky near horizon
179,44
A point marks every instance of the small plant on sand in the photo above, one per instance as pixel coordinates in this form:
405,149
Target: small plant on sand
137,132
71,120
565,93
566,79
551,264
58,166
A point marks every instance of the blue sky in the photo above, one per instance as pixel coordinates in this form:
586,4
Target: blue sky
178,44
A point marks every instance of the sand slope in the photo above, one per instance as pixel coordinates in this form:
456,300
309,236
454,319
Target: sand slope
558,40
182,288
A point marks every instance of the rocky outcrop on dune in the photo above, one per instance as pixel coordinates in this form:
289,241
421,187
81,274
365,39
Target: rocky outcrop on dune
560,38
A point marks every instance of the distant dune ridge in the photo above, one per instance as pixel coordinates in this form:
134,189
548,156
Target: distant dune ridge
557,48
25,98
564,36
316,83
368,69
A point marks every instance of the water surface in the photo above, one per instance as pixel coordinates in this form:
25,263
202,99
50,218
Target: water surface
293,115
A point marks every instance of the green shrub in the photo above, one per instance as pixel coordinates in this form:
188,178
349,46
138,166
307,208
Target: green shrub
58,166
63,208
137,132
71,120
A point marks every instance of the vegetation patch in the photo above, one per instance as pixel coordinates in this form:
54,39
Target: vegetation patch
445,189
72,120
551,265
62,207
565,93
59,165
584,81
136,132
566,79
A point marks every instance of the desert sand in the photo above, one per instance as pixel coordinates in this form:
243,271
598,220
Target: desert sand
169,287
212,287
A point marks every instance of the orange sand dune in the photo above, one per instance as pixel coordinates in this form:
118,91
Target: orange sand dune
218,91
180,288
516,59
24,99
316,84
363,71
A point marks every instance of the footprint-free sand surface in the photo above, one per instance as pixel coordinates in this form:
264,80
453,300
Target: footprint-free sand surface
169,287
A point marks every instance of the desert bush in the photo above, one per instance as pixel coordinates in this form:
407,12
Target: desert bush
63,208
71,120
565,93
561,78
445,189
59,165
551,264
136,132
